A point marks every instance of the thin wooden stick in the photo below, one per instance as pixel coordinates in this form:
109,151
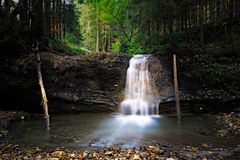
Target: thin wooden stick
176,88
43,92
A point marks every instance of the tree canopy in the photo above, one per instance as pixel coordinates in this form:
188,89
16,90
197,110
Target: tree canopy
133,26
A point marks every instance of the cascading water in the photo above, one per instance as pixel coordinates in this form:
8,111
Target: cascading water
141,97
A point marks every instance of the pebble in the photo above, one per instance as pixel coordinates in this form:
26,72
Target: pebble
72,155
136,157
53,159
58,153
109,153
39,157
26,158
38,149
85,154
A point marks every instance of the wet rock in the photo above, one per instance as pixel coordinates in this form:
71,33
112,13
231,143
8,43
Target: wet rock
73,83
166,145
160,73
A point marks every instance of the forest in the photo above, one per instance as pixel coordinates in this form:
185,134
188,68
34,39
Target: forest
130,26
120,79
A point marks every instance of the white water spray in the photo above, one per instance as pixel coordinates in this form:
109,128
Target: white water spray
141,97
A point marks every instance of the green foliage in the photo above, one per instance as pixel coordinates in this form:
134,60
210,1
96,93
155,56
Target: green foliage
73,38
72,47
66,46
154,48
116,46
179,37
134,49
87,21
131,26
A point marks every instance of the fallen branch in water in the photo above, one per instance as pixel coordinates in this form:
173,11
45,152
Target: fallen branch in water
43,92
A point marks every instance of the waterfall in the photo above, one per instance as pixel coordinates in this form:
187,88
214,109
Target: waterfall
141,96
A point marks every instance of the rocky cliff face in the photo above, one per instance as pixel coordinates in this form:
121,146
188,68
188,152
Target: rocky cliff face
73,83
92,83
161,74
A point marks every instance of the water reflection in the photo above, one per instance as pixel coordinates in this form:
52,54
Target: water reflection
94,130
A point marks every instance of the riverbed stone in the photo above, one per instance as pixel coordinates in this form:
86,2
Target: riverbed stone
58,153
53,158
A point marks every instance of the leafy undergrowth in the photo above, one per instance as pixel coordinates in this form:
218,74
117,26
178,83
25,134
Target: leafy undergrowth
67,47
216,67
228,124
161,152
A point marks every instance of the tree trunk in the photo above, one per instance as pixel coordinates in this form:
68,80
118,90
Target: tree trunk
212,6
47,23
24,17
218,11
53,26
64,18
97,29
109,42
43,92
1,13
104,37
230,9
201,26
7,6
189,27
176,88
182,23
59,16
37,19
57,19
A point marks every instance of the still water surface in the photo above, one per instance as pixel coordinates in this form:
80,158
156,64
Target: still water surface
95,130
